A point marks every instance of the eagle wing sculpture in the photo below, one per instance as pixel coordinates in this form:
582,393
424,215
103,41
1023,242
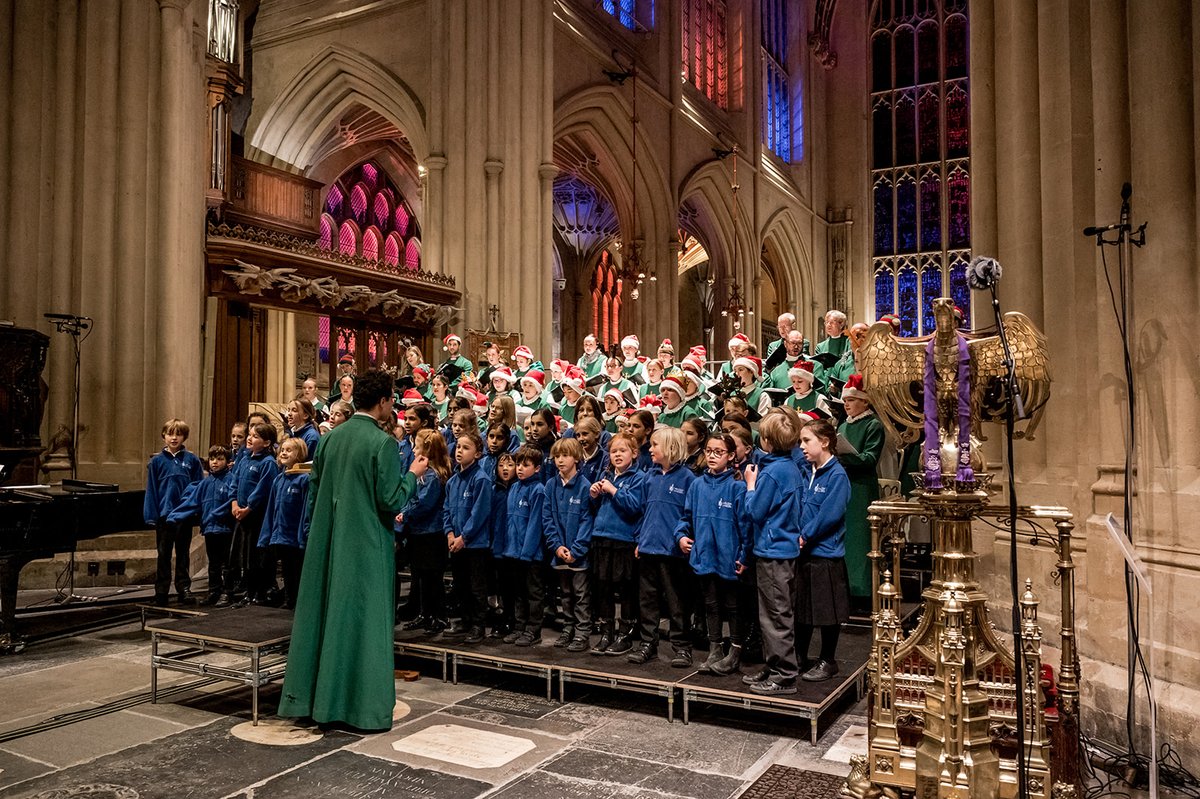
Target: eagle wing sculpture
893,370
1032,361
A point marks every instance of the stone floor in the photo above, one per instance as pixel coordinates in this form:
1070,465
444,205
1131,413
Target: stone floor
497,737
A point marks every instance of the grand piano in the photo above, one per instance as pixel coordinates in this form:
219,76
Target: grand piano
41,521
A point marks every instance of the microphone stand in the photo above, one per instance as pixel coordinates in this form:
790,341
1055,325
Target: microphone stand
1014,408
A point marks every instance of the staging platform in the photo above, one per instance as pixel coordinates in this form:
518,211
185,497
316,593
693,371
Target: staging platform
257,636
689,686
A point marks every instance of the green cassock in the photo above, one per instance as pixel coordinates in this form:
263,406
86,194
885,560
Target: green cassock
591,365
340,665
676,417
806,403
834,344
866,436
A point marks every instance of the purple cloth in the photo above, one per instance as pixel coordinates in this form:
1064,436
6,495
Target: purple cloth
933,457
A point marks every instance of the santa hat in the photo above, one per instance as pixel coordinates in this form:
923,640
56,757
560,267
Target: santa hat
674,382
699,352
854,388
666,346
739,340
616,394
560,364
535,377
750,362
692,363
651,403
505,374
631,341
347,358
479,401
522,352
452,337
803,369
422,370
892,320
574,378
810,416
411,397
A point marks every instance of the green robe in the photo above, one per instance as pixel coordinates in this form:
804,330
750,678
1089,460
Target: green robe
537,403
462,362
567,412
340,664
779,375
591,366
649,388
834,344
806,403
866,435
676,417
638,370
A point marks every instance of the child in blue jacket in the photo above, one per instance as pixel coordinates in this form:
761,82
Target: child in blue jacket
255,474
772,486
422,522
524,547
617,501
168,476
662,571
822,584
713,534
285,521
468,533
208,501
567,529
504,472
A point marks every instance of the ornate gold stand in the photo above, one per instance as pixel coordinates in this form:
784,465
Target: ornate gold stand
942,700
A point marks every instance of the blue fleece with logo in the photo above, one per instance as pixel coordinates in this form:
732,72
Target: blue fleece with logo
665,493
423,511
209,501
285,521
823,511
255,475
567,520
524,520
468,505
499,518
617,515
772,509
405,449
167,478
311,437
593,468
714,517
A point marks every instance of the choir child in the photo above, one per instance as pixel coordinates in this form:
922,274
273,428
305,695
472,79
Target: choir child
524,547
467,508
168,476
504,471
422,522
567,530
255,476
208,501
285,520
641,424
595,456
302,423
617,501
863,430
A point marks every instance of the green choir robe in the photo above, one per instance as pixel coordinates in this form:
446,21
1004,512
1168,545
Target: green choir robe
591,365
462,362
779,375
441,408
536,403
648,389
622,385
834,344
426,392
676,417
806,403
567,412
340,663
865,434
635,374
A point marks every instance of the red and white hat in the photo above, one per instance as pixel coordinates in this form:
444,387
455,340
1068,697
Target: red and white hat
535,377
750,362
411,397
574,378
560,365
691,363
631,341
700,352
505,374
802,369
739,340
452,337
347,358
674,382
616,394
666,346
854,388
522,352
422,370
651,403
479,401
892,320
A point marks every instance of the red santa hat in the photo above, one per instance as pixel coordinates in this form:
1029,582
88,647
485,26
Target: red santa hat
892,320
452,337
854,388
347,359
674,382
479,402
692,363
651,403
535,377
616,394
411,397
421,370
750,362
522,352
739,340
810,416
574,378
700,352
505,374
666,346
802,369
631,341
560,364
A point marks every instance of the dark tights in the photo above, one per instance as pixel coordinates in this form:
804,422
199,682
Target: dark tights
829,641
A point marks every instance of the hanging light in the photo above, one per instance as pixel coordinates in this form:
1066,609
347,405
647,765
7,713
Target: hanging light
735,304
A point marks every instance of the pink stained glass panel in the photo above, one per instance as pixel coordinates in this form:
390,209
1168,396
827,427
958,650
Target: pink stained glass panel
391,250
371,245
412,255
325,237
347,239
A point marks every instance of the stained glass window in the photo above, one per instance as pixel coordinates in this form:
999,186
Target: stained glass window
412,255
920,149
633,14
370,248
323,338
705,45
780,115
365,199
391,249
606,303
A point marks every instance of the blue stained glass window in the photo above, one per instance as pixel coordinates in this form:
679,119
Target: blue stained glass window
931,289
960,291
931,212
906,130
884,291
960,209
626,11
906,307
884,244
906,216
333,202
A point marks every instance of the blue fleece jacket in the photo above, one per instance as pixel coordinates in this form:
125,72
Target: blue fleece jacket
468,505
593,468
567,520
311,436
498,520
255,475
405,449
714,517
772,507
644,461
664,493
208,501
524,520
617,515
167,478
285,521
823,514
423,511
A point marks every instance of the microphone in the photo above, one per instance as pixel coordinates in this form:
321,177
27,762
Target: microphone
1096,231
61,317
983,273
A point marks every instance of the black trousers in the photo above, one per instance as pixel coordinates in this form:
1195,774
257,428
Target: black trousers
529,606
217,546
243,561
720,605
607,593
173,538
292,559
470,568
577,600
429,558
777,616
659,578
509,575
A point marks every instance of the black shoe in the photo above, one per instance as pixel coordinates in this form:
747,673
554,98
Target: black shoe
186,598
500,631
527,638
223,601
474,636
512,636
604,642
770,687
715,655
211,600
621,644
821,670
683,658
435,626
419,623
565,638
578,644
456,628
644,653
758,676
160,600
728,664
